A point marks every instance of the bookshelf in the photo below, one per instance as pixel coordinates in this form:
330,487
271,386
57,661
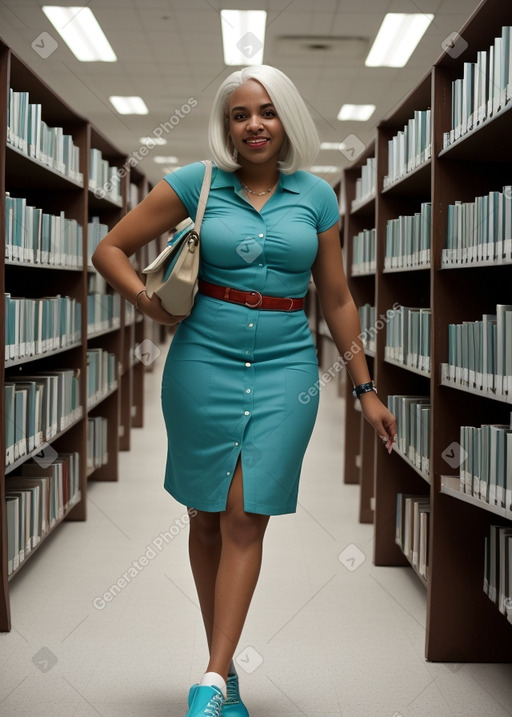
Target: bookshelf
45,366
462,623
360,215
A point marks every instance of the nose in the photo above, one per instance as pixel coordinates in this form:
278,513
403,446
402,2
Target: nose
254,123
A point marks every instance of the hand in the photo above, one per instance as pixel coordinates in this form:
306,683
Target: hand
380,417
154,309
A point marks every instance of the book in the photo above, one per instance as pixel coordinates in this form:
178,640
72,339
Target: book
410,147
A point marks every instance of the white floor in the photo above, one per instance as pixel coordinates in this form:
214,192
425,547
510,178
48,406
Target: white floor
320,640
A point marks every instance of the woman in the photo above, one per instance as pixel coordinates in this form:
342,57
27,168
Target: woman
238,364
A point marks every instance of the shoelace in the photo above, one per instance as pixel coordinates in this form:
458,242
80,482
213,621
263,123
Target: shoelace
232,696
214,706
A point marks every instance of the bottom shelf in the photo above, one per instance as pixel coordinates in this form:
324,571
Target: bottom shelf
72,503
423,579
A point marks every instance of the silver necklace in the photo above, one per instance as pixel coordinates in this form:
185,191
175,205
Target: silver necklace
257,194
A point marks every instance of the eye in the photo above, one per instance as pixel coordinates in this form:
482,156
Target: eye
238,116
270,113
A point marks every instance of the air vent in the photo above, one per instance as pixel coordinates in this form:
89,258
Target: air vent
348,48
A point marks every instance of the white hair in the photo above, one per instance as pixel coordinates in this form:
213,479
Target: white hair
302,141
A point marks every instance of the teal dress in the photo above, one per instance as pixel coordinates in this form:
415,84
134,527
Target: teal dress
235,378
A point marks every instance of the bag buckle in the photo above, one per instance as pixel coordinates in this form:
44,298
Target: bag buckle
258,300
192,241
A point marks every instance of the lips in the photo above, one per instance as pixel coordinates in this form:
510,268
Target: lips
256,142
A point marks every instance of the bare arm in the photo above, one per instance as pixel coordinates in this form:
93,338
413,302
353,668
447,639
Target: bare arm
159,212
342,318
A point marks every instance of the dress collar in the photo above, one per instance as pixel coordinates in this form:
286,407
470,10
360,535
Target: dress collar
221,179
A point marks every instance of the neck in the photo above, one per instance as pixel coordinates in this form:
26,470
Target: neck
258,177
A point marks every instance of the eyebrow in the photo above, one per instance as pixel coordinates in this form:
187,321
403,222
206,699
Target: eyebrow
268,104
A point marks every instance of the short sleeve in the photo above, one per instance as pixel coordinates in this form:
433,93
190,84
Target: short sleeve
186,182
327,206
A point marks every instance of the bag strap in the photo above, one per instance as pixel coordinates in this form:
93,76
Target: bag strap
203,197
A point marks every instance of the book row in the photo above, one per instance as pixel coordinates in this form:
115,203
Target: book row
38,496
484,89
498,568
133,195
101,374
409,148
37,407
367,318
413,428
129,313
480,353
95,233
486,463
97,446
366,184
35,237
103,312
412,529
408,337
27,132
36,326
408,240
364,256
104,179
480,231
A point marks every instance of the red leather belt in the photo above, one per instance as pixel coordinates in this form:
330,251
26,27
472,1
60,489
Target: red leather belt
251,299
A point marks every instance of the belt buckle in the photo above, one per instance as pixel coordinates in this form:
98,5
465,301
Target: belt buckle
258,302
291,304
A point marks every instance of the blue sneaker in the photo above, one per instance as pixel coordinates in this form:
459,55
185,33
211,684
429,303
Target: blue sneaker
205,701
233,706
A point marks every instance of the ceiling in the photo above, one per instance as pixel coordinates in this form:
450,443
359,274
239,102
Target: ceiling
171,50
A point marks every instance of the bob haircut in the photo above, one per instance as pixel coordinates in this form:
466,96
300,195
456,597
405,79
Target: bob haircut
302,142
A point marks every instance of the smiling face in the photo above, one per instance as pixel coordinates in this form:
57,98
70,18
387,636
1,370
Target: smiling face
255,129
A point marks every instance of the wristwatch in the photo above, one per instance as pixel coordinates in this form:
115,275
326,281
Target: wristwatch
363,388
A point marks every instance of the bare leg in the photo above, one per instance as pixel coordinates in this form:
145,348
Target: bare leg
204,549
226,560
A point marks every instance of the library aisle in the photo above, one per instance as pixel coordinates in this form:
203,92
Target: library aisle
323,638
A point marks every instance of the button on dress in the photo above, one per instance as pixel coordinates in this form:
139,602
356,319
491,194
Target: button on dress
235,378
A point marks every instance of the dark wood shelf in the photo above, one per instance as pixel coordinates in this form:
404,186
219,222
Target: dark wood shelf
12,363
422,578
414,183
49,532
30,454
400,364
487,142
24,172
458,523
365,207
404,269
450,485
52,191
422,474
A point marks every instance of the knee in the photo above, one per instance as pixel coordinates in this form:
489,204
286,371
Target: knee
243,529
205,527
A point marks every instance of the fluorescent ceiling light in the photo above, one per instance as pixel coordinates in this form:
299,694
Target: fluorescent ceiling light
356,113
81,32
129,105
152,140
243,36
397,39
332,145
165,160
321,169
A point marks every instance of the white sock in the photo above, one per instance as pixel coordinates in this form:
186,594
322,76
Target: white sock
232,669
212,679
